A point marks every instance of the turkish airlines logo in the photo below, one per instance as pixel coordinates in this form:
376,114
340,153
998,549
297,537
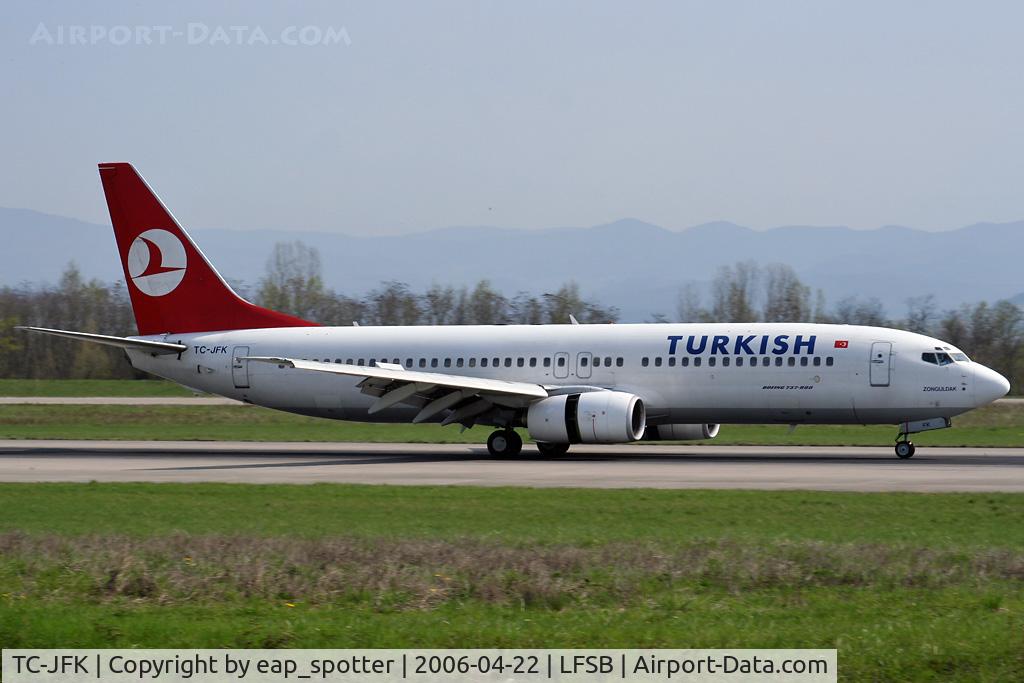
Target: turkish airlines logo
156,262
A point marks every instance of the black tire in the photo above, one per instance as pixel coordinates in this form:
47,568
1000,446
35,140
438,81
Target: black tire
504,443
905,450
552,450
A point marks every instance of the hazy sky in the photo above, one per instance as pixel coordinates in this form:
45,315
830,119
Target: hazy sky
522,114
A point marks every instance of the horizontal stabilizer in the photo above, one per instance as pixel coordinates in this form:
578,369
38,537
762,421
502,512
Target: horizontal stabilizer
154,347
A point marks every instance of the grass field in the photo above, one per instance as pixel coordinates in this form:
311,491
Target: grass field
906,586
91,387
998,425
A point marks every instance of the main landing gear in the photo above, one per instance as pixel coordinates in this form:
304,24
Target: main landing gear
552,450
504,443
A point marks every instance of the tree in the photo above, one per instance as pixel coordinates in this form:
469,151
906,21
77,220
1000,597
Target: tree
293,282
732,293
854,311
786,299
438,305
393,304
485,306
688,305
921,314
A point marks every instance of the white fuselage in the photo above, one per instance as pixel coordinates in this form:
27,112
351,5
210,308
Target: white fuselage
685,373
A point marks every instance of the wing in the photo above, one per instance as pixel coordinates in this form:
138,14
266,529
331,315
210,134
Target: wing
433,392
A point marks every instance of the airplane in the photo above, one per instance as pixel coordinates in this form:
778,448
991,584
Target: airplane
564,384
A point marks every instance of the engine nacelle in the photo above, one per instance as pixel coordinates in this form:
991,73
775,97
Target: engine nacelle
592,417
682,432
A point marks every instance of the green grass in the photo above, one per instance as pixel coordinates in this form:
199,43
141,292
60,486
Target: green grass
91,387
992,426
906,586
515,515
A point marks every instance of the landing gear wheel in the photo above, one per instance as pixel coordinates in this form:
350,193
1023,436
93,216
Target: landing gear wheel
552,450
904,450
504,443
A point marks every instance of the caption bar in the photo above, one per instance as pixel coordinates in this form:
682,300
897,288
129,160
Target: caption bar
420,666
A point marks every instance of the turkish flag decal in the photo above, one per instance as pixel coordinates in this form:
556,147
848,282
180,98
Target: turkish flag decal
842,344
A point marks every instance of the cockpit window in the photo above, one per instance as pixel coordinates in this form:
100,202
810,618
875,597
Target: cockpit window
937,358
962,357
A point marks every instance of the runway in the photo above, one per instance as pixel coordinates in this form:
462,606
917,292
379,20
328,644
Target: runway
641,466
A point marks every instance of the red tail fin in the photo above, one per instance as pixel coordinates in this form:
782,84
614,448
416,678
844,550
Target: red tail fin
173,287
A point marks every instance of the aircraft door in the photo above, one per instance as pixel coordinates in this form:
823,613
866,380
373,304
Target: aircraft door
583,362
240,368
561,369
881,364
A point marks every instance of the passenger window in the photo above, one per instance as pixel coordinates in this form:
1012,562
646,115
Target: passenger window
657,362
671,361
362,361
408,362
508,362
447,362
483,362
520,362
533,362
645,361
778,362
583,361
547,362
561,361
458,362
792,361
423,362
684,361
497,362
348,361
607,361
619,361
817,361
766,361
739,362
803,361
712,361
725,362
472,362
829,361
696,362
433,362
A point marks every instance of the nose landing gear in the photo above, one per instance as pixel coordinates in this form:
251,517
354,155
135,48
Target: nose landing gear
905,449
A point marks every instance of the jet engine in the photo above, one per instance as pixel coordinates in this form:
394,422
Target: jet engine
682,432
591,417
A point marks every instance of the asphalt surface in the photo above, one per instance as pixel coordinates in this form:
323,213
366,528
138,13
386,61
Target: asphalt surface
642,466
186,401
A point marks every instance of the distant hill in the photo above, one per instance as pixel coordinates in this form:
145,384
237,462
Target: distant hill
636,266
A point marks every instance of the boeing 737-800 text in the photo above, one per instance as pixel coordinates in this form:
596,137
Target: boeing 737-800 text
564,384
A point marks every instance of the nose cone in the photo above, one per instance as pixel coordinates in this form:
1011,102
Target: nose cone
989,385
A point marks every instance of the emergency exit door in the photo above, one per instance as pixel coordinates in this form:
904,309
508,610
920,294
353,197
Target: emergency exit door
881,364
